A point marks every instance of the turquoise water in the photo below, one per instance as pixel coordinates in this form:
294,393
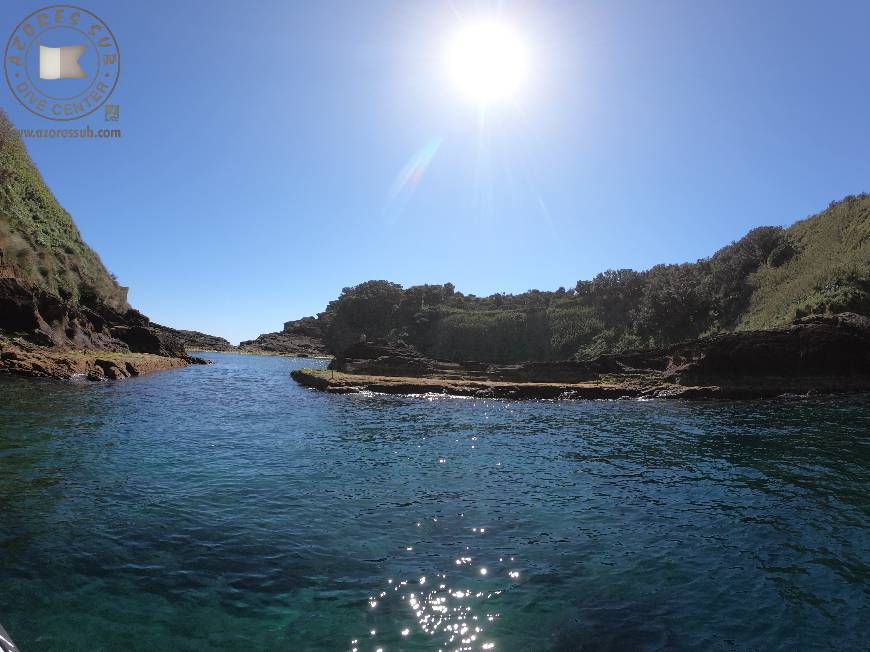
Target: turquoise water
224,507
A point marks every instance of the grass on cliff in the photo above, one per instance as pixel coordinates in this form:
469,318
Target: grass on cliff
829,271
39,242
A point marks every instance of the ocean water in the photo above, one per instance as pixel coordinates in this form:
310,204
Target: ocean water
225,507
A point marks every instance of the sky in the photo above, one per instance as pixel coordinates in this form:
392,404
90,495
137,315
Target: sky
276,152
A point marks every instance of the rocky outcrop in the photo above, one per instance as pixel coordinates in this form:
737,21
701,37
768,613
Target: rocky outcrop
196,341
385,358
46,319
836,345
303,338
43,335
19,357
821,354
59,305
145,339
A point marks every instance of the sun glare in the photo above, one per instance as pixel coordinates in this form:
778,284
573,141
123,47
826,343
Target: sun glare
487,61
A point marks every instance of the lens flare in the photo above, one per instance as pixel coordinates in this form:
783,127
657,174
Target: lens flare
409,177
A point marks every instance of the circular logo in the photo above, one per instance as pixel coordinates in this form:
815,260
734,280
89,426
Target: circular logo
62,62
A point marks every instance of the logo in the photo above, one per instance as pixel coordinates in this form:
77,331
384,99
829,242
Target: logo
62,62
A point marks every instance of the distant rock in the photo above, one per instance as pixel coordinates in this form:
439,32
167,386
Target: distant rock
303,338
196,341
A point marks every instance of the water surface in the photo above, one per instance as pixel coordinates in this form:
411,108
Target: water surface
226,507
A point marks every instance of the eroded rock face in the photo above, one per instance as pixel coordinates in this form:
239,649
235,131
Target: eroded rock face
18,307
47,332
47,320
832,345
144,339
384,358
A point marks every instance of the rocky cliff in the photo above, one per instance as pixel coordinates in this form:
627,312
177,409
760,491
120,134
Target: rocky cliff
61,312
44,336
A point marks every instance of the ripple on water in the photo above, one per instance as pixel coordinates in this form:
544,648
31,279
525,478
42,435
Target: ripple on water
225,506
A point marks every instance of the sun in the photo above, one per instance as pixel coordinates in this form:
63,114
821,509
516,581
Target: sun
487,61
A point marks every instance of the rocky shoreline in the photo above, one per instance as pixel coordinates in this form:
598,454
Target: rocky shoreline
20,358
817,355
44,336
612,388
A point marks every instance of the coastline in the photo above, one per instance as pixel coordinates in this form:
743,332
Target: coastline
267,353
18,358
827,354
610,387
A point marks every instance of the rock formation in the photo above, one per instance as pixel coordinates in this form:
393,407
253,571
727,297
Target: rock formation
43,336
62,313
819,354
303,338
196,341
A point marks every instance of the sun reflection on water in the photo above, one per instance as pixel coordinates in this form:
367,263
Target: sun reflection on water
452,609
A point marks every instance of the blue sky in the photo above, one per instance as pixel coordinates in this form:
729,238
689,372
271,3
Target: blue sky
262,142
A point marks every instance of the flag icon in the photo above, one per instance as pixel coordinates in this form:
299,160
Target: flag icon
60,63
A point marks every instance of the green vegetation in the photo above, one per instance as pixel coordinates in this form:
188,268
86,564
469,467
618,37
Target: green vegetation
770,276
39,242
830,271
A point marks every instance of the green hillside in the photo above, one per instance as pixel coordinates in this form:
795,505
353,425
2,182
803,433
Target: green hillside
770,276
830,271
39,242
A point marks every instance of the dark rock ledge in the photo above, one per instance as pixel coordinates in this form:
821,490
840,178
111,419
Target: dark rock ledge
42,335
816,355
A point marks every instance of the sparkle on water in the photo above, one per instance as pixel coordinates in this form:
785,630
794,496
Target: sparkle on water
225,507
